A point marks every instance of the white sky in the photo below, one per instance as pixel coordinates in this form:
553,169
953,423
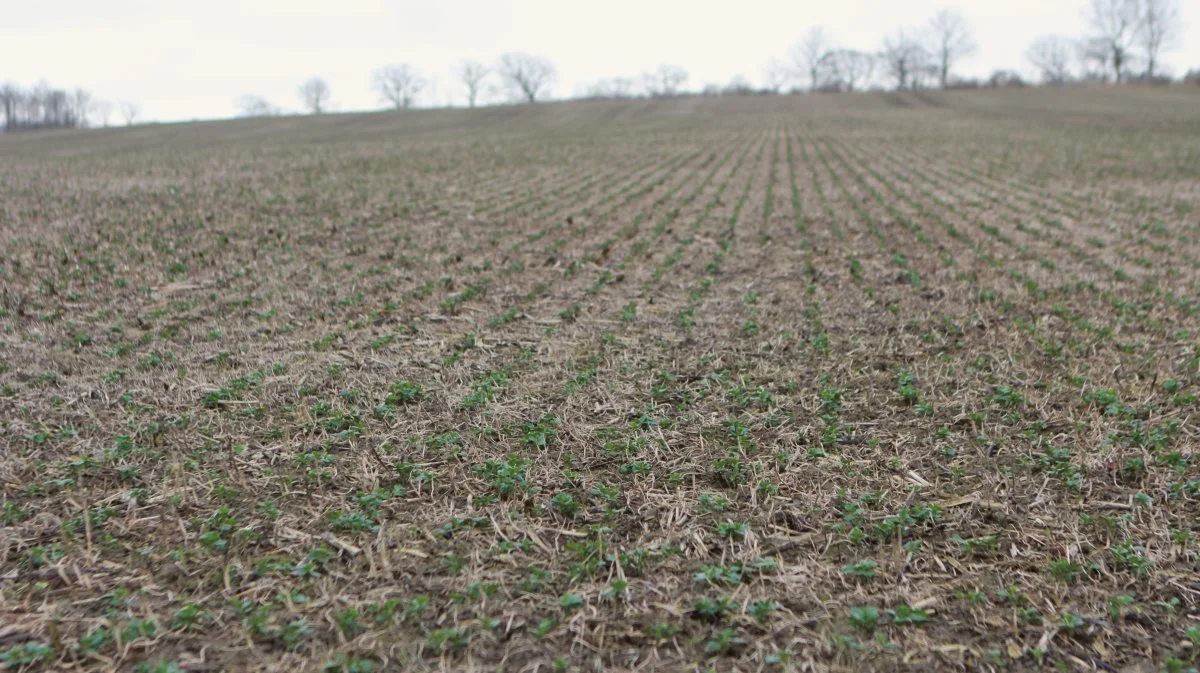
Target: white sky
183,59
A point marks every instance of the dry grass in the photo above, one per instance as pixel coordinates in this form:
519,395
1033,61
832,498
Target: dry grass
824,384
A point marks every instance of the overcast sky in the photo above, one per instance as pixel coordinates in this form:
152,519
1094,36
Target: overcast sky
185,60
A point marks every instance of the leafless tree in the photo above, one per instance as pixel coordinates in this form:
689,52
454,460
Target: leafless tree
58,110
623,87
36,100
666,80
43,107
610,89
130,112
83,103
1005,78
472,74
903,58
1113,26
527,76
1093,56
104,111
739,85
398,85
852,68
812,56
10,101
255,106
314,95
1160,31
599,90
777,75
1052,56
951,39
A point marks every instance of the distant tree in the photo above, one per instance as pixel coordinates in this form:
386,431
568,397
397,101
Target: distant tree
777,75
1160,30
1051,55
667,80
904,59
10,103
1113,29
104,111
598,90
36,99
951,39
472,74
610,89
852,68
57,110
812,56
1093,56
398,85
527,76
1005,78
43,106
83,104
255,106
314,95
738,86
622,87
130,112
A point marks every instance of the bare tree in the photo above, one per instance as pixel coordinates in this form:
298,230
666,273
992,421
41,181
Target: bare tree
130,112
314,95
36,99
1160,31
527,76
903,58
1093,55
10,101
951,40
104,111
1052,56
472,74
666,80
83,104
1113,26
622,87
812,56
610,89
255,106
852,68
398,85
43,107
777,75
739,85
1005,78
58,110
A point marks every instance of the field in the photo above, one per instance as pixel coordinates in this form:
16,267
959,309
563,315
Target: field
834,383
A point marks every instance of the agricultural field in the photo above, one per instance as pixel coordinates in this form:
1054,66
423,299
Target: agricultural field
864,382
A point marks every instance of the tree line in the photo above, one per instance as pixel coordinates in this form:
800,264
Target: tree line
1123,40
43,106
525,77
